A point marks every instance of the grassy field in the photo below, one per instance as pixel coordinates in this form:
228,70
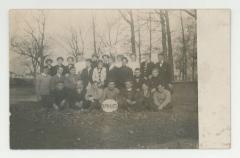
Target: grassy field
33,127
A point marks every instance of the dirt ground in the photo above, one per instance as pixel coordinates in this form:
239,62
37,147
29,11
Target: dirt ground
33,127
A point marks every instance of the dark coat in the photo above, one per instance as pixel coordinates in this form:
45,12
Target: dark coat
56,67
51,70
67,68
164,73
54,80
137,82
59,95
86,76
146,69
123,74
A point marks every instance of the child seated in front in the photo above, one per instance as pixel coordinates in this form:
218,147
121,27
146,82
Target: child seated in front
60,96
144,97
129,99
110,92
161,97
93,96
78,98
154,80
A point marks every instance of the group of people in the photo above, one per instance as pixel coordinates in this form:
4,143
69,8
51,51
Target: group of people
86,83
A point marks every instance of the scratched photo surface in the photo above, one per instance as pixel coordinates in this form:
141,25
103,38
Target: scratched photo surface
103,79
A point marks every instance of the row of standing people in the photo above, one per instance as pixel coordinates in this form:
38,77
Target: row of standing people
102,73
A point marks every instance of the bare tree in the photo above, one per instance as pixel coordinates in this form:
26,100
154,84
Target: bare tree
193,13
169,41
76,42
150,35
110,38
184,49
33,44
166,39
94,35
128,17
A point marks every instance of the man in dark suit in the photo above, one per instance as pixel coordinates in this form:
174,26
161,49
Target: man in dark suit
86,75
59,64
124,74
146,67
70,61
164,71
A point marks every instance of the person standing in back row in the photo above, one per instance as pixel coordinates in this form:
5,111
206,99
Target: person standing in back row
146,67
133,63
70,64
80,64
164,72
50,67
124,74
59,64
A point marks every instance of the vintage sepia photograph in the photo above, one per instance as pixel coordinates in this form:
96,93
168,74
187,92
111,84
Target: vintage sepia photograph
103,79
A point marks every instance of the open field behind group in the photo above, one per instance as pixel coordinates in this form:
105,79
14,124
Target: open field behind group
33,127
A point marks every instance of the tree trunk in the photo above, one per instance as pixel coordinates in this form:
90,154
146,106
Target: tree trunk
193,56
94,36
139,45
150,35
132,33
184,49
169,40
164,40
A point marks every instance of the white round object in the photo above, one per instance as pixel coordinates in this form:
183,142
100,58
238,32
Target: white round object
109,105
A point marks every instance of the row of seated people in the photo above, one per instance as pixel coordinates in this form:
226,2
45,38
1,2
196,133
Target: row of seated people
136,93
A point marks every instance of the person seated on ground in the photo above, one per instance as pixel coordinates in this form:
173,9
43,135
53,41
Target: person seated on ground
99,74
78,98
60,96
93,96
154,80
110,92
144,97
94,60
125,73
56,78
71,79
70,64
129,99
50,67
43,87
86,75
137,80
59,64
161,97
